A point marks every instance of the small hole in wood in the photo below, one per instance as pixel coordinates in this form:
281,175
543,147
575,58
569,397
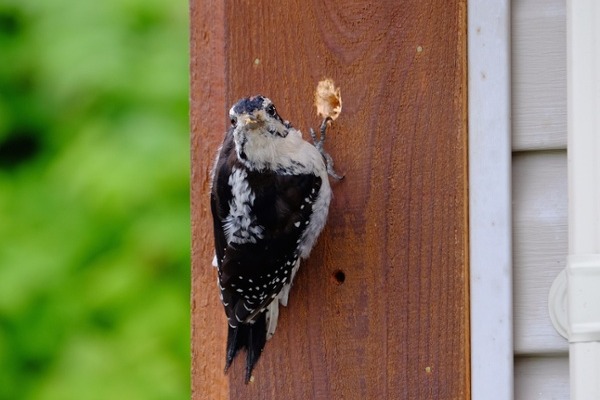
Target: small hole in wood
339,276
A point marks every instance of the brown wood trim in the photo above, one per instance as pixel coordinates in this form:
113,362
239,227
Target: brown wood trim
207,111
398,326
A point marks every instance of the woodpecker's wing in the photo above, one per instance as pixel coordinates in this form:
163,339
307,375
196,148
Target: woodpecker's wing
259,220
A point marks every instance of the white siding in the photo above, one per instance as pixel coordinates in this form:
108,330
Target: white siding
539,193
540,246
542,378
539,80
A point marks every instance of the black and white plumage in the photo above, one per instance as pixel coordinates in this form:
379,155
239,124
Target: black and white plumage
270,197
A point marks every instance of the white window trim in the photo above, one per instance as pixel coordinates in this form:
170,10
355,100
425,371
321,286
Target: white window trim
490,226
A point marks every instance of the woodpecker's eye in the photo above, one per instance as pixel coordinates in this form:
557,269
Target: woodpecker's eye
233,121
271,110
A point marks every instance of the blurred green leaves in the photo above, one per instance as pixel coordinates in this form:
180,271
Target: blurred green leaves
94,200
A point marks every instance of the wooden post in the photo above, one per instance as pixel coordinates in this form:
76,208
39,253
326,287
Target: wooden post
207,106
380,310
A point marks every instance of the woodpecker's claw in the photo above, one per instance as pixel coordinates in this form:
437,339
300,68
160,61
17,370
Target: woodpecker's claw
319,144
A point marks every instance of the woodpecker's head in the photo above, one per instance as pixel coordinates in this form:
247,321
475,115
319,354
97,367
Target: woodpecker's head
257,115
257,128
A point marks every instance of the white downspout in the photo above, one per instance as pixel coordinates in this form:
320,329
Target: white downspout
583,264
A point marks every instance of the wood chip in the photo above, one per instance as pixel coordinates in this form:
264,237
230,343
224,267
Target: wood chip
328,99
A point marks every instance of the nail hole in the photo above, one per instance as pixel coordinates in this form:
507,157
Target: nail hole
339,276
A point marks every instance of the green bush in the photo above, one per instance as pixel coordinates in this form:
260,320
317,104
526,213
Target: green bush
94,200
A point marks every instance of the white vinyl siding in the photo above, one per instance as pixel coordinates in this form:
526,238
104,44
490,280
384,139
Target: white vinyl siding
539,247
539,77
539,187
542,378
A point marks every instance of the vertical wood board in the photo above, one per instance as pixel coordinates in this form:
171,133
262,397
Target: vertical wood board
397,327
207,92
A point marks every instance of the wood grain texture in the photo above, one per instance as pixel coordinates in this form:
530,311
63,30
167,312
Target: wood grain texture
539,246
542,378
207,71
539,74
397,327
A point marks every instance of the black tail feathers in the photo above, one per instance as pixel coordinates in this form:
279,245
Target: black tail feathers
251,336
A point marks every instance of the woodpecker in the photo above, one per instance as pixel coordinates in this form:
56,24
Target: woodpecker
270,198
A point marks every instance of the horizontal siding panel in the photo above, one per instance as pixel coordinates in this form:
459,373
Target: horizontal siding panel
539,245
542,378
539,80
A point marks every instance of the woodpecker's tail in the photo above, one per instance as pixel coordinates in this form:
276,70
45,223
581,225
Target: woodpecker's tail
251,336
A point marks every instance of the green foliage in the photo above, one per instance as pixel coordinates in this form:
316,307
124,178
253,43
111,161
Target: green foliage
94,200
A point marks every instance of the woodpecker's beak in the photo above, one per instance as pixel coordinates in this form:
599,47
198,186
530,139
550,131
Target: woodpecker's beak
251,121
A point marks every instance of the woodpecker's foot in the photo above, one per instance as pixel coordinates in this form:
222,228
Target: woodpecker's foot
319,144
